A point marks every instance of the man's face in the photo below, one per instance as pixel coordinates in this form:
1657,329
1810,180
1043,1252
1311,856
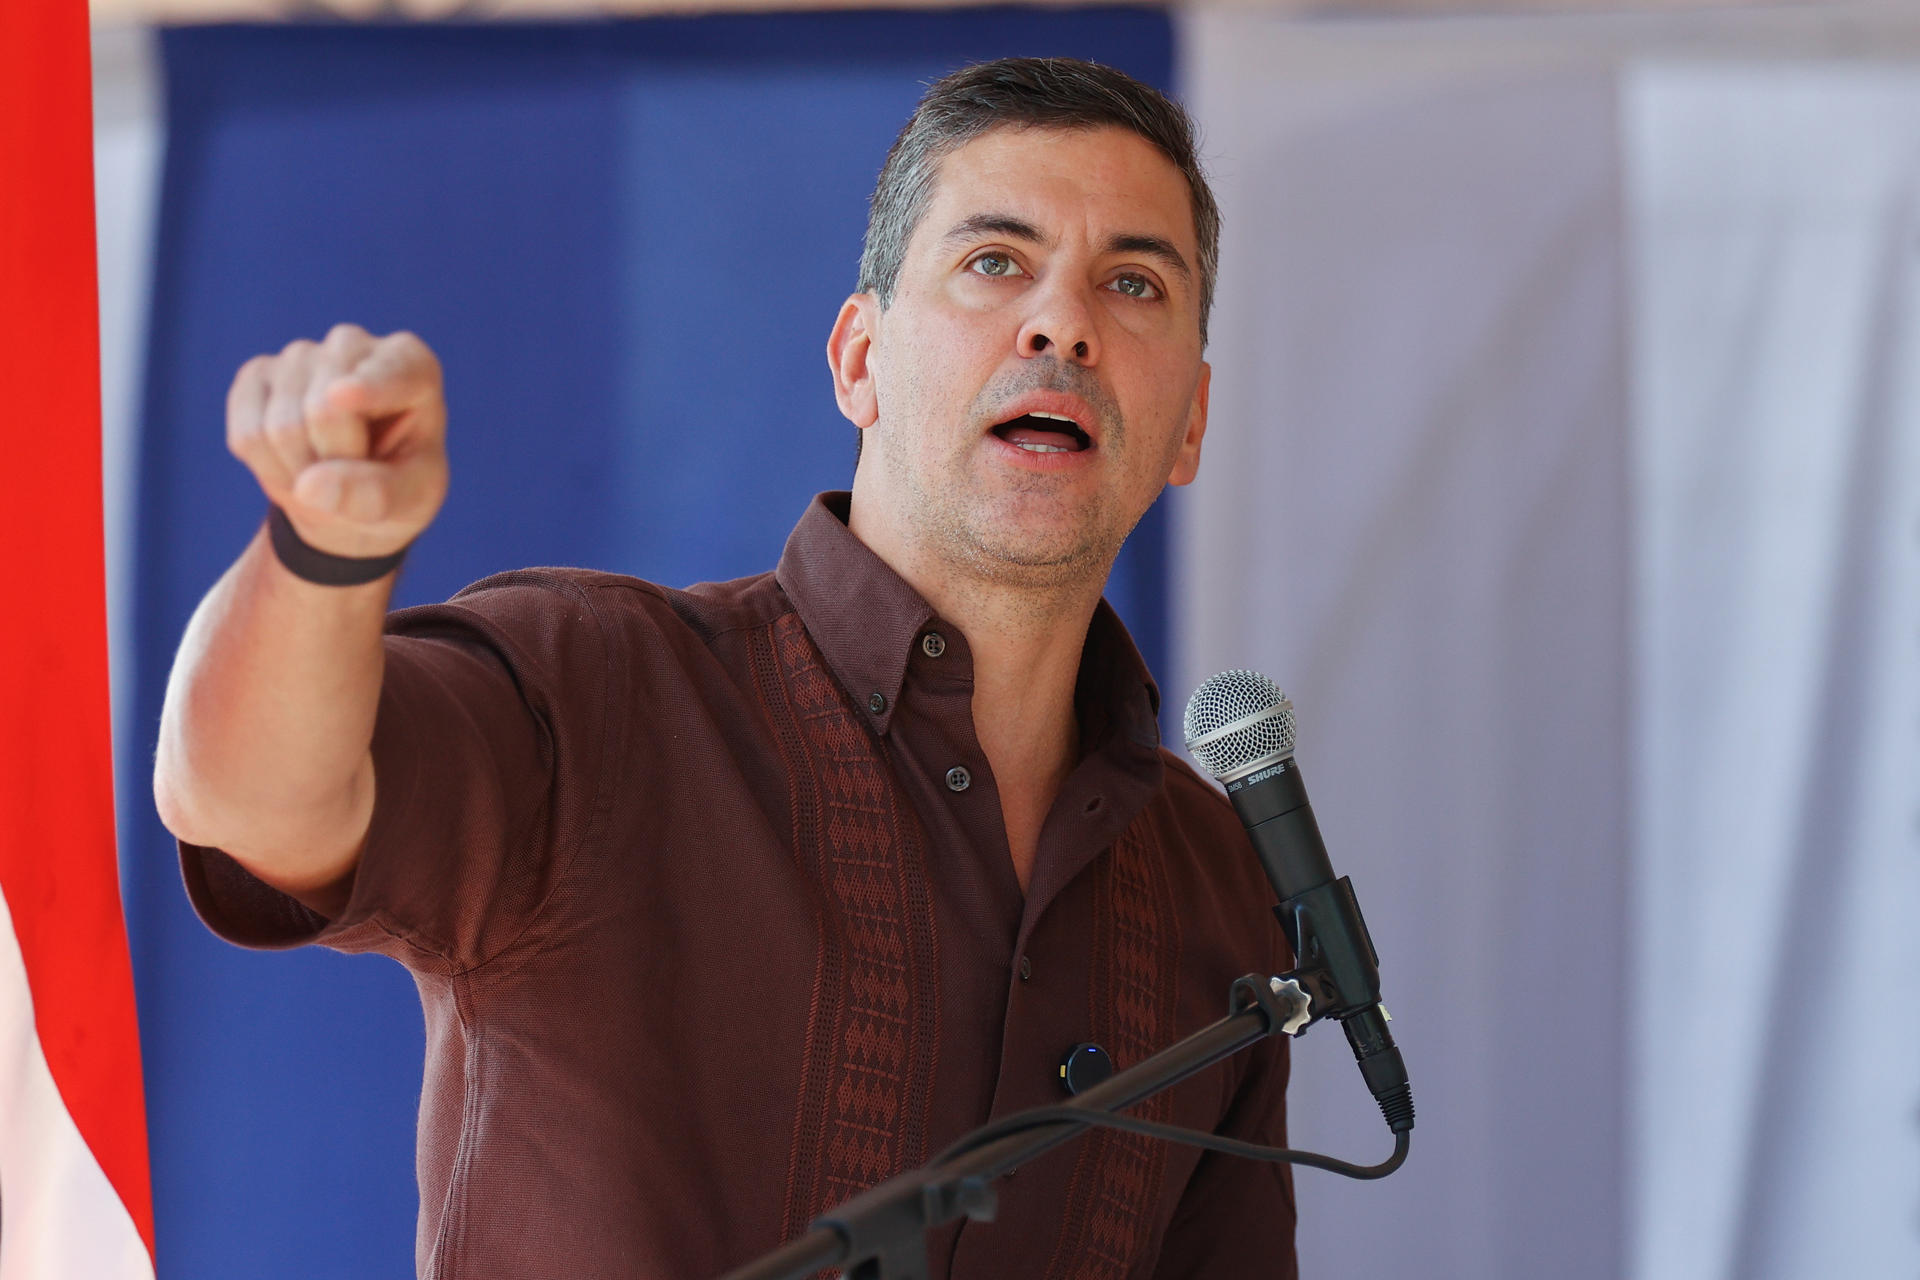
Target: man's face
1037,379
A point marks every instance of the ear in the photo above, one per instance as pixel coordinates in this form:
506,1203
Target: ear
1186,463
850,356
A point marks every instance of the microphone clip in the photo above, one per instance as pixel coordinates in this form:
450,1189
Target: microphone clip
1339,975
1338,967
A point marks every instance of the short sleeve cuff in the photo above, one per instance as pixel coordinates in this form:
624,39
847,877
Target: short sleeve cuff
239,907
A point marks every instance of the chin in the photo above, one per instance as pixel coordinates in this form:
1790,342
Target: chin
1010,552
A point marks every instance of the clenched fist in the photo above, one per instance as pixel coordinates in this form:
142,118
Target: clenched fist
347,436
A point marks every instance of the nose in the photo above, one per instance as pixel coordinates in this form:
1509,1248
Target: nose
1060,323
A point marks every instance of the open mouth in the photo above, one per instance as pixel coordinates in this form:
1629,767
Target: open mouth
1044,433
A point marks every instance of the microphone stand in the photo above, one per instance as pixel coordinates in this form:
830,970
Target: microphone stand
880,1234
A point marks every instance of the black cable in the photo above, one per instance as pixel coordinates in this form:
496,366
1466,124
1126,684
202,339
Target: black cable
1042,1117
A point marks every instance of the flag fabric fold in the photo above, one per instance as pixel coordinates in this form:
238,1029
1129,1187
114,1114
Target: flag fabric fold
74,1198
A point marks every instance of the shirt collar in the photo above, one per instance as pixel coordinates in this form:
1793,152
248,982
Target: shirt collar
866,621
862,615
1116,695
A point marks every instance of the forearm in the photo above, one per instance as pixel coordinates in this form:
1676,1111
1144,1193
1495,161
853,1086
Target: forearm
266,735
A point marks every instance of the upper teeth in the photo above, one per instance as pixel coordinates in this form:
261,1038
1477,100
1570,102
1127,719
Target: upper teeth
1057,417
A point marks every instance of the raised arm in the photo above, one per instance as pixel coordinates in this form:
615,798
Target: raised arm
266,733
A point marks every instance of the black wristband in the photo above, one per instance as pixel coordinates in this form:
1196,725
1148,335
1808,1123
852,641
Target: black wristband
323,567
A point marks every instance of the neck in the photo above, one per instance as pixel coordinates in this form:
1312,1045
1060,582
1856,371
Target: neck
1026,641
1026,664
1026,644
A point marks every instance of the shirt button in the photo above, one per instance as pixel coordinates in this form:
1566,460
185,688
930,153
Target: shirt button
958,779
1026,969
876,702
933,644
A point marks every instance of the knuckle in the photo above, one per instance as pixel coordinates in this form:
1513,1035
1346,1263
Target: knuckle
343,333
313,403
298,349
245,379
409,345
285,430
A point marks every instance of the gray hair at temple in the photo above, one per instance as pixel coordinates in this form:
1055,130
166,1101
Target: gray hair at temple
1044,93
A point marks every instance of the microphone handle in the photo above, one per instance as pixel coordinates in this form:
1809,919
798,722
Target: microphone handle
1272,804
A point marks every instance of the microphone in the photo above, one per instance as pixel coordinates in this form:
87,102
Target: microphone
1240,727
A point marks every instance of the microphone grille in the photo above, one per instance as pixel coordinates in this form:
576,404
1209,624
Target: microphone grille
1238,721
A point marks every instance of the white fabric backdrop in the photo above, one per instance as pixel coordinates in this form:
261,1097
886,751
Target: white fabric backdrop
1563,468
1776,321
1412,513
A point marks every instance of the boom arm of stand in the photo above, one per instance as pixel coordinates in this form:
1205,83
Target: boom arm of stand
880,1234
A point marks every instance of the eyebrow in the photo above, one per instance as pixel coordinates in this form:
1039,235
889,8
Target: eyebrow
1159,248
995,224
1156,247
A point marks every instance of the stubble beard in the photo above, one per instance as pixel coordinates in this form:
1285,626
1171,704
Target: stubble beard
993,540
1017,536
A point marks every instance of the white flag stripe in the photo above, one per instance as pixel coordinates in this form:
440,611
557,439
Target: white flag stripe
60,1219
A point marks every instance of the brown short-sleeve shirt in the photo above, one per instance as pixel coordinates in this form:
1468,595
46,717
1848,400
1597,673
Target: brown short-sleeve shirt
709,902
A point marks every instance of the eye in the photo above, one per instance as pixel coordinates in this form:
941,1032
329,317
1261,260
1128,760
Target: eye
994,264
1134,285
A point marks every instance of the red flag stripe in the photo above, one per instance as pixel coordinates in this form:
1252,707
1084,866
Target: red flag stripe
56,797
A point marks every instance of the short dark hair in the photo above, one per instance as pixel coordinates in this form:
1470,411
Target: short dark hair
1047,93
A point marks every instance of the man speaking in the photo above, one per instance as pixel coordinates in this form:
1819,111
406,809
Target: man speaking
726,903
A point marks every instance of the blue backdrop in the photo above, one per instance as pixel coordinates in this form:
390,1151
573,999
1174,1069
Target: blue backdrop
627,242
